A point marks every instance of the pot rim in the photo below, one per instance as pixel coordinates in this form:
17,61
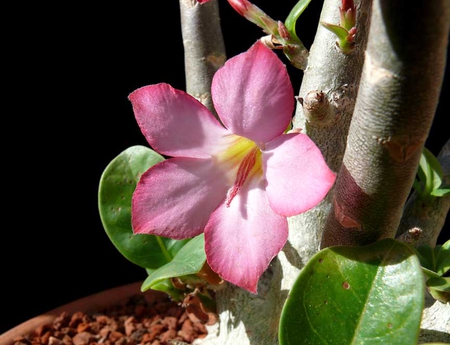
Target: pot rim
90,303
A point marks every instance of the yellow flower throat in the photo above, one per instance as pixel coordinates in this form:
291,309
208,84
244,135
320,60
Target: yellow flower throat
244,160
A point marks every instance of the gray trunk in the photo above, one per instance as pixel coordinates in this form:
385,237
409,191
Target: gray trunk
253,319
392,118
329,89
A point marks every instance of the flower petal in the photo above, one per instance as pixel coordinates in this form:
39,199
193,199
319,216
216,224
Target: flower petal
242,239
176,197
253,95
298,177
176,124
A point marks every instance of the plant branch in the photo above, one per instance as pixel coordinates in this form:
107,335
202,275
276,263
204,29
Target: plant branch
327,93
426,219
392,118
204,49
244,316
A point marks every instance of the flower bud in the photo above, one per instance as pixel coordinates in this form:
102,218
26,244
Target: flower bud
255,15
240,6
348,14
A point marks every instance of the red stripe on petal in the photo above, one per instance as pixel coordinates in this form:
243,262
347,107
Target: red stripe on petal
244,170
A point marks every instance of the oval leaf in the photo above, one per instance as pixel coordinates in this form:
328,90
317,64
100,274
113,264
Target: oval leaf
443,258
439,288
167,287
433,170
189,260
116,188
371,294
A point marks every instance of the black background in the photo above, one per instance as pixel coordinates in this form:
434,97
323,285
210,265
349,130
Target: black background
66,115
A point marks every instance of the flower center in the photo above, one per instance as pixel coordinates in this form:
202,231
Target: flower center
244,156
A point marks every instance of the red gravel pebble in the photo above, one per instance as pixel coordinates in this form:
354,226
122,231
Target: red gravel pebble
136,323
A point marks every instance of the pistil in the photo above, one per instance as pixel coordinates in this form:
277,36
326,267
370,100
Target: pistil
249,162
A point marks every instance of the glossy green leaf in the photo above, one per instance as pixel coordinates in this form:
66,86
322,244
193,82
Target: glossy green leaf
443,258
116,188
338,30
166,286
432,169
426,256
429,176
435,259
369,295
441,192
189,260
439,288
429,274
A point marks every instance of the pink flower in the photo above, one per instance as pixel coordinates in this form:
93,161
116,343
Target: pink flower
237,183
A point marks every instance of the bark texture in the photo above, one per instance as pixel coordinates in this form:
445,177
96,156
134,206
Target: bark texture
330,76
426,219
332,81
392,118
253,319
204,49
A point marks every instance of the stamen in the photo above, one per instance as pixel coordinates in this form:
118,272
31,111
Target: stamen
244,169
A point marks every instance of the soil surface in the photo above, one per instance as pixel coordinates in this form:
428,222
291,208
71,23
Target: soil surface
162,322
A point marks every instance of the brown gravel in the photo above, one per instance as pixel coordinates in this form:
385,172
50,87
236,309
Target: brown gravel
163,322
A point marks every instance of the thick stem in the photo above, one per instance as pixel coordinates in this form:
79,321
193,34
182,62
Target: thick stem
204,49
336,75
253,319
392,118
331,77
427,219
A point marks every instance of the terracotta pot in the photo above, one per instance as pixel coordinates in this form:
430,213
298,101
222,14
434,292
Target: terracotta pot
92,303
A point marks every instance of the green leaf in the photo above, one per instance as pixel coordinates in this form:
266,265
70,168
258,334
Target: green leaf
435,259
368,295
439,288
342,35
116,188
338,30
189,260
427,257
441,192
443,258
430,274
421,177
166,286
430,176
433,169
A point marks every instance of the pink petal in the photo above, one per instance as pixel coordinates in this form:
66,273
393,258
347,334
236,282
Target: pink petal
298,177
241,240
253,95
176,124
176,197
